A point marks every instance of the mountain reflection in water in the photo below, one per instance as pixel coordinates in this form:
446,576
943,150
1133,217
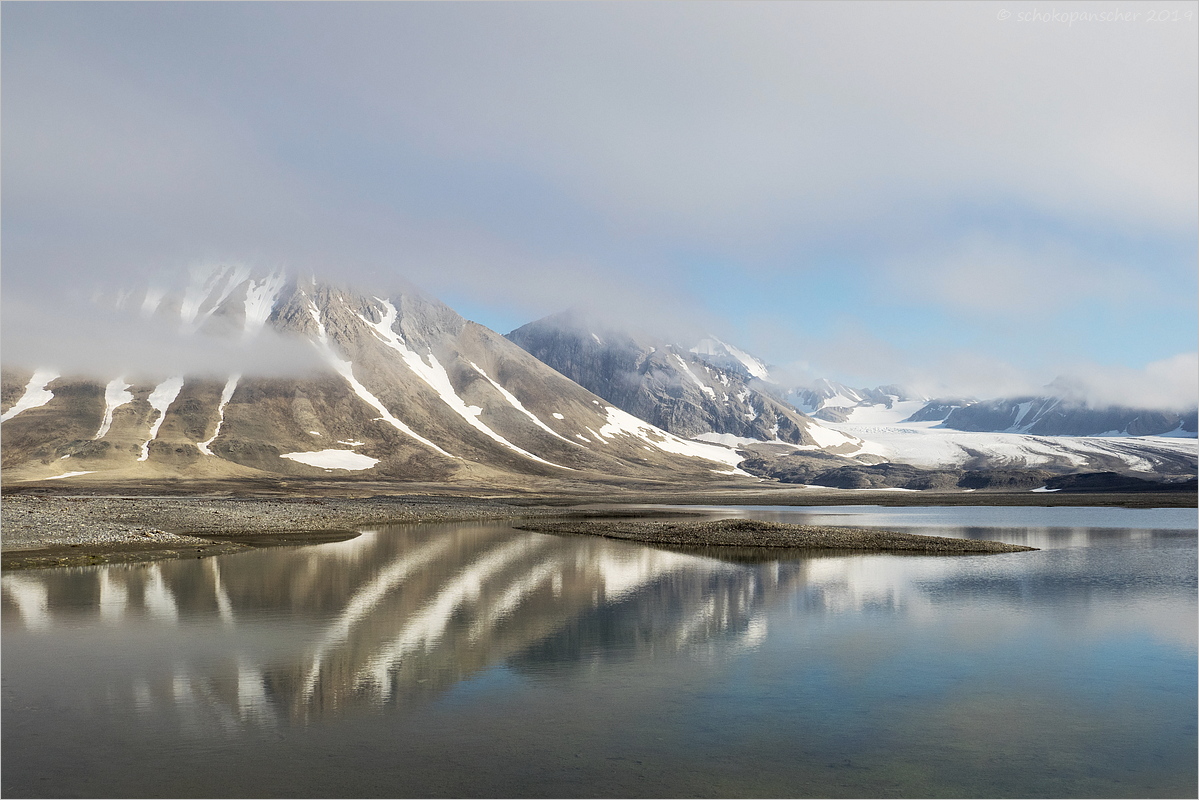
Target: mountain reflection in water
479,661
393,616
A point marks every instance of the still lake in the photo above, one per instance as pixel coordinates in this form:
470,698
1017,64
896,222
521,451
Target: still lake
477,660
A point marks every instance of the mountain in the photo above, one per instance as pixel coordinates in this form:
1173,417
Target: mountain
1046,415
835,402
860,438
720,354
400,387
905,444
708,391
1058,416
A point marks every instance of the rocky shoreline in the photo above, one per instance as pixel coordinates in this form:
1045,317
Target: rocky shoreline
756,533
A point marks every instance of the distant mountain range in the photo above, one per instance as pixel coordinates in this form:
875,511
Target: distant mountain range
1057,416
405,389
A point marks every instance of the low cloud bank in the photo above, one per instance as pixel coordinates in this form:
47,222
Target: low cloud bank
1172,383
87,340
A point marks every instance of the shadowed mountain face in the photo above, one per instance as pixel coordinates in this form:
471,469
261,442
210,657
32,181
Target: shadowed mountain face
708,389
402,387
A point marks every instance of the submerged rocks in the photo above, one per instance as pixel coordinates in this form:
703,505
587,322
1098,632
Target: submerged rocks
755,533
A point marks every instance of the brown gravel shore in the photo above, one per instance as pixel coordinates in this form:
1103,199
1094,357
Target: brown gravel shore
52,531
42,530
756,533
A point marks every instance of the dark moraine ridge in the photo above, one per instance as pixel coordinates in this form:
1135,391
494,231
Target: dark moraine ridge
755,533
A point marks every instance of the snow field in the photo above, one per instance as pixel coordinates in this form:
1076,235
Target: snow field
926,444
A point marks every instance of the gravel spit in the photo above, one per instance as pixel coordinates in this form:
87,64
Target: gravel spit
755,533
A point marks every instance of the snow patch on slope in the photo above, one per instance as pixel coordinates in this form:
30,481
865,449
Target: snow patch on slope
686,368
160,400
346,370
435,375
730,439
64,475
151,301
226,396
116,394
198,303
333,459
515,402
1020,414
260,302
623,423
36,394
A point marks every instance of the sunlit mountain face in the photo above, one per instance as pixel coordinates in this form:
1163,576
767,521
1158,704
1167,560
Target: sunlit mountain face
395,386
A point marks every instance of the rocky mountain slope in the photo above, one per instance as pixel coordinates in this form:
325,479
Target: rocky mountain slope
401,387
708,391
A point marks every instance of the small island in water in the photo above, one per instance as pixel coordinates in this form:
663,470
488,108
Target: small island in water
756,533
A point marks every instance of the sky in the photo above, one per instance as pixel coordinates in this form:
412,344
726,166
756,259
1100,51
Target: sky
969,198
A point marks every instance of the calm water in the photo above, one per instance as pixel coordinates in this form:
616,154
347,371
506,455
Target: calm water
477,660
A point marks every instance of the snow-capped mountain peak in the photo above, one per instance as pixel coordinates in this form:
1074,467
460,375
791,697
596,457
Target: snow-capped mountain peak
726,356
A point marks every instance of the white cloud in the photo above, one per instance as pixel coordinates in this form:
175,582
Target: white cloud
1172,383
88,339
988,273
